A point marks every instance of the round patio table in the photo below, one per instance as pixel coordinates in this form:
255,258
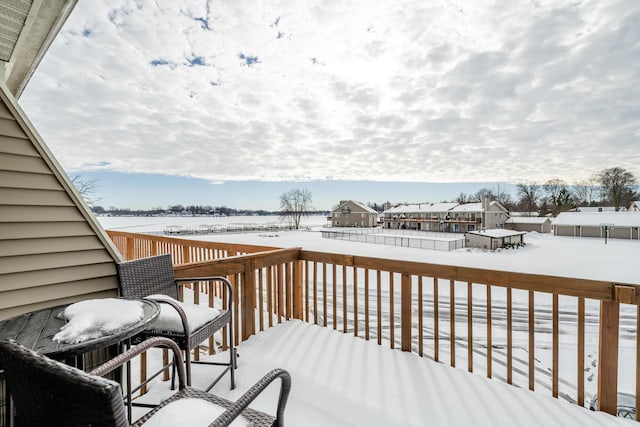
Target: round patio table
35,330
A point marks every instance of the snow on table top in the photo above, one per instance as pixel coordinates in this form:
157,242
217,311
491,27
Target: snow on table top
341,380
96,318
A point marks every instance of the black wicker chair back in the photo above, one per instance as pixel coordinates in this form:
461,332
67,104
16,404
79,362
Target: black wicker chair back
49,393
147,276
155,275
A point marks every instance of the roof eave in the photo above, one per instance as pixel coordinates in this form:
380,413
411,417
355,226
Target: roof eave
44,21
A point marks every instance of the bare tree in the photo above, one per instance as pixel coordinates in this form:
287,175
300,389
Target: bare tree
584,191
87,188
502,197
528,194
295,204
462,198
616,185
558,194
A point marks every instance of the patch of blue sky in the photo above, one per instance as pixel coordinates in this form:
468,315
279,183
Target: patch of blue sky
196,60
249,60
158,62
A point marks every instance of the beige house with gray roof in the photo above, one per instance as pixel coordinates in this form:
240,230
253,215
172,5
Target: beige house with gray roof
349,213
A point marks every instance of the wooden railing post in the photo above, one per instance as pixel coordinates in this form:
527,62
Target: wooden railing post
298,303
608,357
405,310
130,244
248,300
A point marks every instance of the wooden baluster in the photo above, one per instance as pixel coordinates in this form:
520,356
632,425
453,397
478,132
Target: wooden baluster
196,300
391,313
297,290
366,304
280,274
489,338
436,322
580,351
315,293
335,299
608,357
307,279
270,308
532,348
452,322
509,337
355,301
287,287
324,294
405,311
260,300
420,318
211,286
379,306
638,364
470,326
555,347
344,298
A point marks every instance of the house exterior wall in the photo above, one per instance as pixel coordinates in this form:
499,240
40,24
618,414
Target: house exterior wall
52,251
564,230
495,219
351,214
595,231
473,240
540,228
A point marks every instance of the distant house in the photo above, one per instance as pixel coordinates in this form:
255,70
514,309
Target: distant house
446,217
541,224
353,214
622,225
493,238
635,206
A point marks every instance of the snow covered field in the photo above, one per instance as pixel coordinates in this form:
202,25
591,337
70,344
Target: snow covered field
544,254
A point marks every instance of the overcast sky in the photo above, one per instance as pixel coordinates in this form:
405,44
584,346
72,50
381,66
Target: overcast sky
422,91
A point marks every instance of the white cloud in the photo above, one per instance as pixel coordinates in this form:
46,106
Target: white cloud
399,91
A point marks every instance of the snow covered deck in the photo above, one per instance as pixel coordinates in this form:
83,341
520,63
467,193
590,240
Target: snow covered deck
342,380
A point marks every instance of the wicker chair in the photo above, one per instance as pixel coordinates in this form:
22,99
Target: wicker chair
155,275
45,392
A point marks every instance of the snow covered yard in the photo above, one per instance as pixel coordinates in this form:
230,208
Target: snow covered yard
339,380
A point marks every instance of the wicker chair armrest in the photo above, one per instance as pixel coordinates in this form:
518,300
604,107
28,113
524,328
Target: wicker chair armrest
181,313
222,279
234,410
121,359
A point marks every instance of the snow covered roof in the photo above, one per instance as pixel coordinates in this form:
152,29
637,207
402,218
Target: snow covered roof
497,232
468,207
360,205
618,219
528,220
534,214
423,207
595,209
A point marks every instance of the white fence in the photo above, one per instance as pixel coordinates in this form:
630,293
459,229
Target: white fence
406,238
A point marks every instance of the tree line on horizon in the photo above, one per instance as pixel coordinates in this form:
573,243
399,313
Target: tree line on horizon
613,186
610,187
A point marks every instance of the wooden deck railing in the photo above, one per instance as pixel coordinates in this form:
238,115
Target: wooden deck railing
431,309
133,246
